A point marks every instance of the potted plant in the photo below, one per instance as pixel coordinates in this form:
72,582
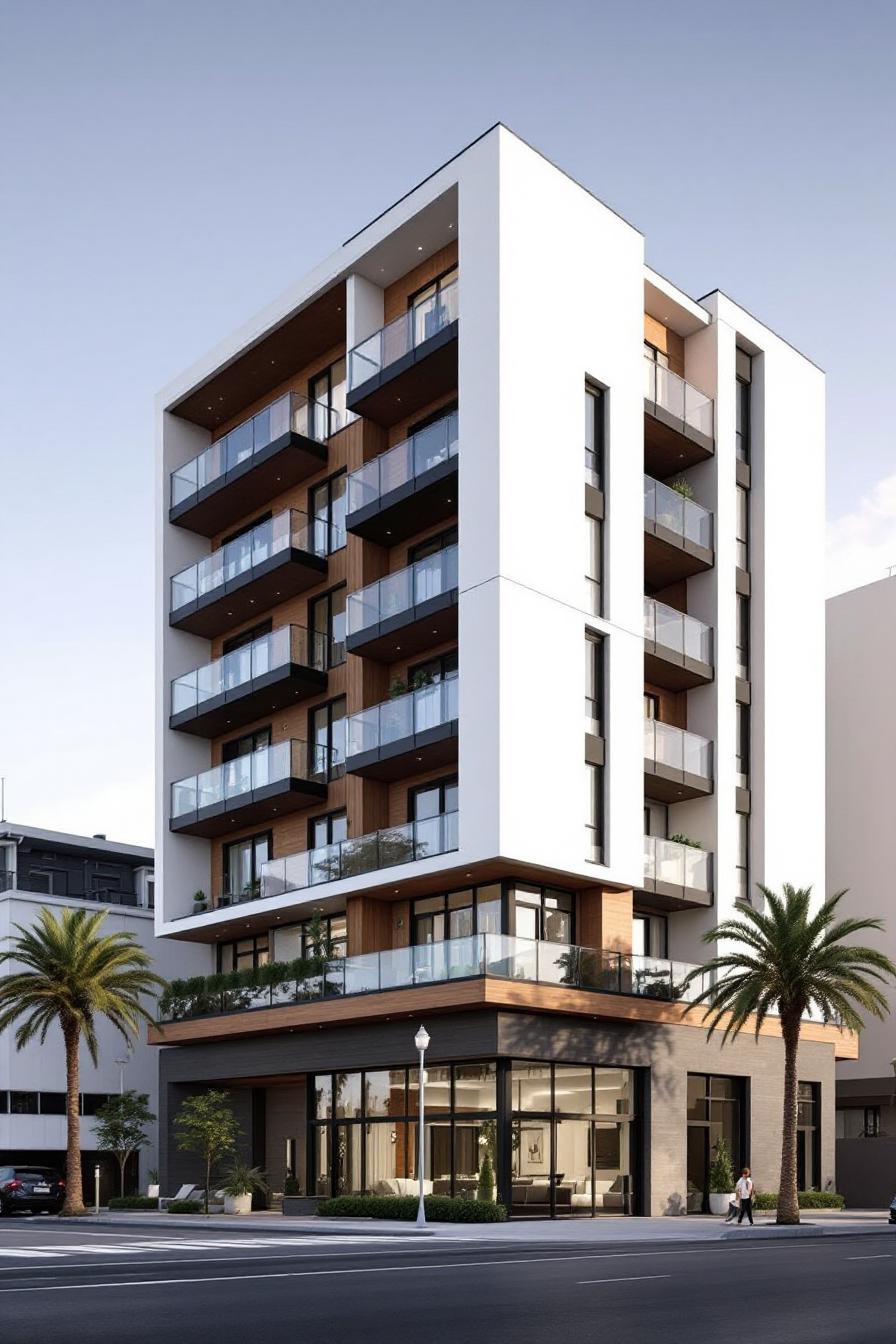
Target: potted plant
240,1183
153,1189
721,1178
200,902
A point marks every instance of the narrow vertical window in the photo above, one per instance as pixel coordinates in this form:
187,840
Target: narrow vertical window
594,566
594,436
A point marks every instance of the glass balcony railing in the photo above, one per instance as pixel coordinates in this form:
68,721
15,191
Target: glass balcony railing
677,749
404,334
233,780
670,509
494,955
436,443
403,717
291,413
361,854
678,864
678,398
290,529
676,631
286,645
400,592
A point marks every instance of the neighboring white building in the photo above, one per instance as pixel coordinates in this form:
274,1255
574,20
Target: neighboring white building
40,869
380,480
861,806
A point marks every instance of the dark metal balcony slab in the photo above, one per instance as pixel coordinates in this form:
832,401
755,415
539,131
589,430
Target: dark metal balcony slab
667,785
260,805
250,700
668,556
248,487
674,671
263,586
411,631
422,502
428,750
409,383
671,444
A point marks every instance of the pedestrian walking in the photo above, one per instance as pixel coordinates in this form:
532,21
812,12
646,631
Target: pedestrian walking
743,1193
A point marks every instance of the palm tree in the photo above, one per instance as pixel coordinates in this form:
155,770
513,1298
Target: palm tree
786,960
70,973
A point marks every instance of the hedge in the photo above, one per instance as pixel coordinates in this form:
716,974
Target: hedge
439,1208
133,1202
808,1199
185,1206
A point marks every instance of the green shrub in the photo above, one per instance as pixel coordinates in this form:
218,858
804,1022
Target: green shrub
721,1172
403,1208
808,1199
485,1189
185,1206
133,1202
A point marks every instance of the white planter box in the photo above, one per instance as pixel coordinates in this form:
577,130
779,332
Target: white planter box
237,1203
719,1203
152,1191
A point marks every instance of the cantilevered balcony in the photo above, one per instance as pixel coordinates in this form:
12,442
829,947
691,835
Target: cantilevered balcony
237,474
678,421
677,876
407,364
678,650
253,788
678,535
259,569
408,488
260,678
405,612
677,764
361,854
408,734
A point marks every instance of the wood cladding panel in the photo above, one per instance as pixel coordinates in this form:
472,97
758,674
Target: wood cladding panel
368,925
395,296
604,919
669,342
673,705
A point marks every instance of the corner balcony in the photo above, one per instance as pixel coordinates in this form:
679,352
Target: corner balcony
237,474
677,648
678,876
678,535
253,788
409,363
361,854
405,735
678,422
259,569
405,612
260,678
408,488
677,764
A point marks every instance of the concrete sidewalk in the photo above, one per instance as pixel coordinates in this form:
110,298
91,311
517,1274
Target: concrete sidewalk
577,1231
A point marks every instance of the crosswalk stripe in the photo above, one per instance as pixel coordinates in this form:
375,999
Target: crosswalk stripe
46,1251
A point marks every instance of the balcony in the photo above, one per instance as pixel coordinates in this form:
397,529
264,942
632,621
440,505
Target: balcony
406,612
268,564
407,734
361,854
265,455
253,788
480,956
412,486
678,535
10,881
677,648
407,364
678,421
677,764
260,678
678,876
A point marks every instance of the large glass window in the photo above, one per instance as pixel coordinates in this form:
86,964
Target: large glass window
594,684
545,913
427,306
432,800
714,1106
594,565
246,954
326,619
742,865
327,390
328,737
650,935
594,436
594,812
242,866
326,506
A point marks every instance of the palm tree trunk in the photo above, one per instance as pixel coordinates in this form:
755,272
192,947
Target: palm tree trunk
788,1202
74,1196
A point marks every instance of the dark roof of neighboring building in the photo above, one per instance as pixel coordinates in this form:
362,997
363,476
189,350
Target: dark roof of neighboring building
92,846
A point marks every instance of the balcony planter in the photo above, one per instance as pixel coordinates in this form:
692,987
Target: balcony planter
238,1203
719,1203
300,1206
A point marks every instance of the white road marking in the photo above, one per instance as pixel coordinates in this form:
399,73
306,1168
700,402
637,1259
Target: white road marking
869,1257
634,1278
184,1244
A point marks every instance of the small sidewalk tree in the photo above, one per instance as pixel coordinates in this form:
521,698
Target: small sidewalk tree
205,1124
120,1127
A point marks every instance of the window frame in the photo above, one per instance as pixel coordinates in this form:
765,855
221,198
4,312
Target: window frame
255,866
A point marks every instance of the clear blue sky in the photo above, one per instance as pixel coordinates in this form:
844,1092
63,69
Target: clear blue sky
170,167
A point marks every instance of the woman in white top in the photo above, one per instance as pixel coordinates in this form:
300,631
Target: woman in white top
743,1192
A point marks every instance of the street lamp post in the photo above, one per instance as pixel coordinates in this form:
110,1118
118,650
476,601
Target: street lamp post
421,1041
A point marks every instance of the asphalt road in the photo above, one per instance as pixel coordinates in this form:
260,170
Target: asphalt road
61,1284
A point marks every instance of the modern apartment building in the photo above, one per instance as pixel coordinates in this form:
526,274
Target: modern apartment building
519,722
39,869
861,746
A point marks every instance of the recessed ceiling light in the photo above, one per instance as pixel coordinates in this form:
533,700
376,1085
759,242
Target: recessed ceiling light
419,247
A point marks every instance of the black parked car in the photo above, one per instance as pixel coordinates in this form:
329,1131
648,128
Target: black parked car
893,1210
33,1189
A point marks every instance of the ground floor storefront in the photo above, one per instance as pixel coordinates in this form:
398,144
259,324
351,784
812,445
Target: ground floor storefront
575,1118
